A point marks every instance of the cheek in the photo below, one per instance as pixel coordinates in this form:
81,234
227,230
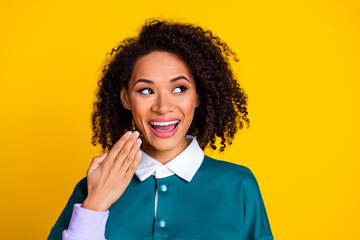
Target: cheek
192,102
139,112
188,108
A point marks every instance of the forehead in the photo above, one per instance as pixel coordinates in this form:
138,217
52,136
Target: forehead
160,65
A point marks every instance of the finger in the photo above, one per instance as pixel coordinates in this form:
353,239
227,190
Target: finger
133,166
95,163
130,157
126,149
116,148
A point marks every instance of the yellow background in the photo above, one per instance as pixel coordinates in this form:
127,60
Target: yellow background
299,64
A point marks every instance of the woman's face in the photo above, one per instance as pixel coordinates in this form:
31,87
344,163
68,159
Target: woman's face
162,98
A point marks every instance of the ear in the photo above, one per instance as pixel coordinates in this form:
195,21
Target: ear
124,97
197,100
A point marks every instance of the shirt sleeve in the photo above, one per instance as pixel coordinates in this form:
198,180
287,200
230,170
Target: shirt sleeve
86,224
256,223
78,196
77,223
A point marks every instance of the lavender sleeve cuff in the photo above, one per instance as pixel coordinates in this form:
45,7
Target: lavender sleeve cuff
86,224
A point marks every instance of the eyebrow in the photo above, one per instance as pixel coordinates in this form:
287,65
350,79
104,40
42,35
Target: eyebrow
171,80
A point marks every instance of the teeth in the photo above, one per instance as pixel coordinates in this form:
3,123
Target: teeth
164,123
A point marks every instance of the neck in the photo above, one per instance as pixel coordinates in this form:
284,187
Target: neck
166,155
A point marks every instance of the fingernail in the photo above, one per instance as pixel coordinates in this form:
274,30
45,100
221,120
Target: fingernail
138,153
136,134
138,141
128,133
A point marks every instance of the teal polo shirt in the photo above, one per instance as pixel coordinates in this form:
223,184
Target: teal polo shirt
222,201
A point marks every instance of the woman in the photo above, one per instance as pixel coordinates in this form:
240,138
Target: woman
171,91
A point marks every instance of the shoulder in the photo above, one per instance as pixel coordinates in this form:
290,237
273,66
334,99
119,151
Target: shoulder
228,167
80,190
228,170
82,185
235,177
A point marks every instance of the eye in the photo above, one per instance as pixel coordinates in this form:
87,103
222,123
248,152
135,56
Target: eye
180,89
146,91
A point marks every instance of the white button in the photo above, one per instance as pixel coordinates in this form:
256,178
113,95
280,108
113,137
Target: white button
162,224
163,188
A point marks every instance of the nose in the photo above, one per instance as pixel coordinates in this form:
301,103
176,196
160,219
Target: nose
163,104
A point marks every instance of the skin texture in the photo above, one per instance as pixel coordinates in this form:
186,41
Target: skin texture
167,96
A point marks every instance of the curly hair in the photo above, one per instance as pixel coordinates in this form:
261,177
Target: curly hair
222,109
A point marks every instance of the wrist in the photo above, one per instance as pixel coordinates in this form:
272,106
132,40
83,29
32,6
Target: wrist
93,205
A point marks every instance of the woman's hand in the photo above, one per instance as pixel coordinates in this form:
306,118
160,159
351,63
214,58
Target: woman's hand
110,174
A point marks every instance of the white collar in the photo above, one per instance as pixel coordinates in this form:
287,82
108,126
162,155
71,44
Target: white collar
184,165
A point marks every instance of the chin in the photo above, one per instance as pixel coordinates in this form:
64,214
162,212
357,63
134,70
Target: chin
165,144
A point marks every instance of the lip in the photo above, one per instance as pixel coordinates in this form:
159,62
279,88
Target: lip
168,119
164,134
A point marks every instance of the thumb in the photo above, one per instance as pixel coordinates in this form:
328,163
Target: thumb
95,163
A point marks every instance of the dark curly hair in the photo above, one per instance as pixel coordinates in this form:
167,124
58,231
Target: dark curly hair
222,109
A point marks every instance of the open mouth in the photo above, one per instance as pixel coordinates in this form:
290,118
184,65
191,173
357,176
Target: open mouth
164,127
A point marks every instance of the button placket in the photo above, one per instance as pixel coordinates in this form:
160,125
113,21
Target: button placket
163,209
